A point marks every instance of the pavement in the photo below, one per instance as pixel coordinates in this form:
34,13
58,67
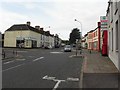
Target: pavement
8,53
99,71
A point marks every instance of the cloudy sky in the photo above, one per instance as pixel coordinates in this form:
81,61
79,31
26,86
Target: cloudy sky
58,14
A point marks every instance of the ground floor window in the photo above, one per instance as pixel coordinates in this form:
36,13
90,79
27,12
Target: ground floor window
19,43
34,43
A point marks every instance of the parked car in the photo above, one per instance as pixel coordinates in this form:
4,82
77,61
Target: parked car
67,48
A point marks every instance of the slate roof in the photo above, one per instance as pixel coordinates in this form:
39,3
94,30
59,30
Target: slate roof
22,27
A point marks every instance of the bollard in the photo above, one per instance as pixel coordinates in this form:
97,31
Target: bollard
16,53
13,52
3,53
90,51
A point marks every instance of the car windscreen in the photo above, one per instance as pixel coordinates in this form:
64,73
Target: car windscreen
67,46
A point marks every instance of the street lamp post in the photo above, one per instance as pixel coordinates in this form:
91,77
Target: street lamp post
80,24
80,37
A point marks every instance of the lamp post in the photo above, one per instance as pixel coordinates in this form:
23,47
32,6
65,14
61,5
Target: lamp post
80,37
80,24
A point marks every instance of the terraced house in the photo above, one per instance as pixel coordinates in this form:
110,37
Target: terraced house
113,14
24,35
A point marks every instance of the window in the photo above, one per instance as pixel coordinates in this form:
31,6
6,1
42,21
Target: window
117,35
27,43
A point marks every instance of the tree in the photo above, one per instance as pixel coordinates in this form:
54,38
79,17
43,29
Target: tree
75,34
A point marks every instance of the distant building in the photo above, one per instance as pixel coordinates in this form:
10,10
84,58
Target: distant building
90,40
57,41
93,39
113,14
85,41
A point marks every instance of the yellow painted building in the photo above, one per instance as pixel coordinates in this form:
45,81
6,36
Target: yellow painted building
22,35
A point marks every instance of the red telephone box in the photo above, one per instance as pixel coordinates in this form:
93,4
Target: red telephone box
105,41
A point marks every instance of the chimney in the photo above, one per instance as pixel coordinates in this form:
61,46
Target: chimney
41,29
37,27
28,23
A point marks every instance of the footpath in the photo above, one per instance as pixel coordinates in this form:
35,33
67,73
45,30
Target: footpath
99,72
8,53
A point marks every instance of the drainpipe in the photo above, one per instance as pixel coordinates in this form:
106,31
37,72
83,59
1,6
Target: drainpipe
99,39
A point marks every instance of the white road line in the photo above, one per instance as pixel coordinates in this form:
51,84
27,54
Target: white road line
73,79
49,78
55,80
45,77
56,52
8,62
57,84
38,59
12,67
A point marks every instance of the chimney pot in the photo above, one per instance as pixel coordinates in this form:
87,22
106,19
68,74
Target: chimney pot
28,23
41,29
37,27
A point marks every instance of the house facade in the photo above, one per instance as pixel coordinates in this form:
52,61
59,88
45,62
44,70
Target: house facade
90,40
85,41
95,39
113,14
24,35
119,33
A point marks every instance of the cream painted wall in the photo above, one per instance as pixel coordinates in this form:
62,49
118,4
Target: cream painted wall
51,41
37,37
90,40
119,34
10,37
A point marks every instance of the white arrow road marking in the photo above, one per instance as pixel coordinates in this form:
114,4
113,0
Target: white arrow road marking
38,59
48,78
45,77
59,81
57,84
55,80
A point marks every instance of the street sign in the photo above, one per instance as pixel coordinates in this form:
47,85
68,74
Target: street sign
104,21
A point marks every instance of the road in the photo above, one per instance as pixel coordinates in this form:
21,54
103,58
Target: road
42,68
